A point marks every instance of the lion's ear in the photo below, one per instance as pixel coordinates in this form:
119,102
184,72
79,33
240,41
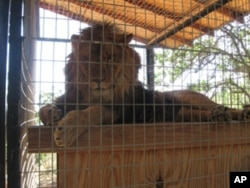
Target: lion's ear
124,38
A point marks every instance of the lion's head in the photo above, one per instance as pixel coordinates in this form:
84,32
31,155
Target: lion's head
102,66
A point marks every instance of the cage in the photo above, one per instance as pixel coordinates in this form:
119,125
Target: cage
90,106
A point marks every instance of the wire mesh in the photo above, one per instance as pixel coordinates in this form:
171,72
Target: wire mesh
162,109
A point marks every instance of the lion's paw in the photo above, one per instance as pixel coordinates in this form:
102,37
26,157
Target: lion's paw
245,113
220,113
68,129
50,114
65,135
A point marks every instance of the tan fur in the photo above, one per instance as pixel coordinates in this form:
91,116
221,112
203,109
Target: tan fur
119,65
101,77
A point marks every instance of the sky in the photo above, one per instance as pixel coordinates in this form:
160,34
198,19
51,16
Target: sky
51,54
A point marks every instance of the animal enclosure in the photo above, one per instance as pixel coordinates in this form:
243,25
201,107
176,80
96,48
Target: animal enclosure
131,94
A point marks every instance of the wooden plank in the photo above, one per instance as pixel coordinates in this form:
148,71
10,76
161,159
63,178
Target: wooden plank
141,137
203,167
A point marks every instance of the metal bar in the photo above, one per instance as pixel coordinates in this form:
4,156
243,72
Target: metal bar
150,68
46,39
218,4
13,97
4,13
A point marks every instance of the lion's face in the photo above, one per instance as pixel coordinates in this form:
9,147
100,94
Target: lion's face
102,65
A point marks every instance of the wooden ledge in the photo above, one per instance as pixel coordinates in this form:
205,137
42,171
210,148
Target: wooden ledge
144,137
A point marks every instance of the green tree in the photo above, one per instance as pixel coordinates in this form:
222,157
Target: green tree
219,65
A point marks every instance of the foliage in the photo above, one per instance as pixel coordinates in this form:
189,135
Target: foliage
46,161
218,65
48,97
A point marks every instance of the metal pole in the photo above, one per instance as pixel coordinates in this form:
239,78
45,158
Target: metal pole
4,17
13,96
150,68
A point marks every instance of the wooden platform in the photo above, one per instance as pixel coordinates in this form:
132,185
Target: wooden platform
151,155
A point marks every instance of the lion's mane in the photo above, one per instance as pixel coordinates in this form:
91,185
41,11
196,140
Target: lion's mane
102,70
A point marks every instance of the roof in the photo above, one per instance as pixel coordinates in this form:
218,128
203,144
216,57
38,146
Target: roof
170,23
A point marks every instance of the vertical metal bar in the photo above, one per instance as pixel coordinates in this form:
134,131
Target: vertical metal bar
13,97
150,68
4,14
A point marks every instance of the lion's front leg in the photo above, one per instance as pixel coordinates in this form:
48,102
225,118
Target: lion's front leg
77,122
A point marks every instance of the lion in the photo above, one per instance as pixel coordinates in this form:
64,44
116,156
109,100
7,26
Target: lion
102,87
